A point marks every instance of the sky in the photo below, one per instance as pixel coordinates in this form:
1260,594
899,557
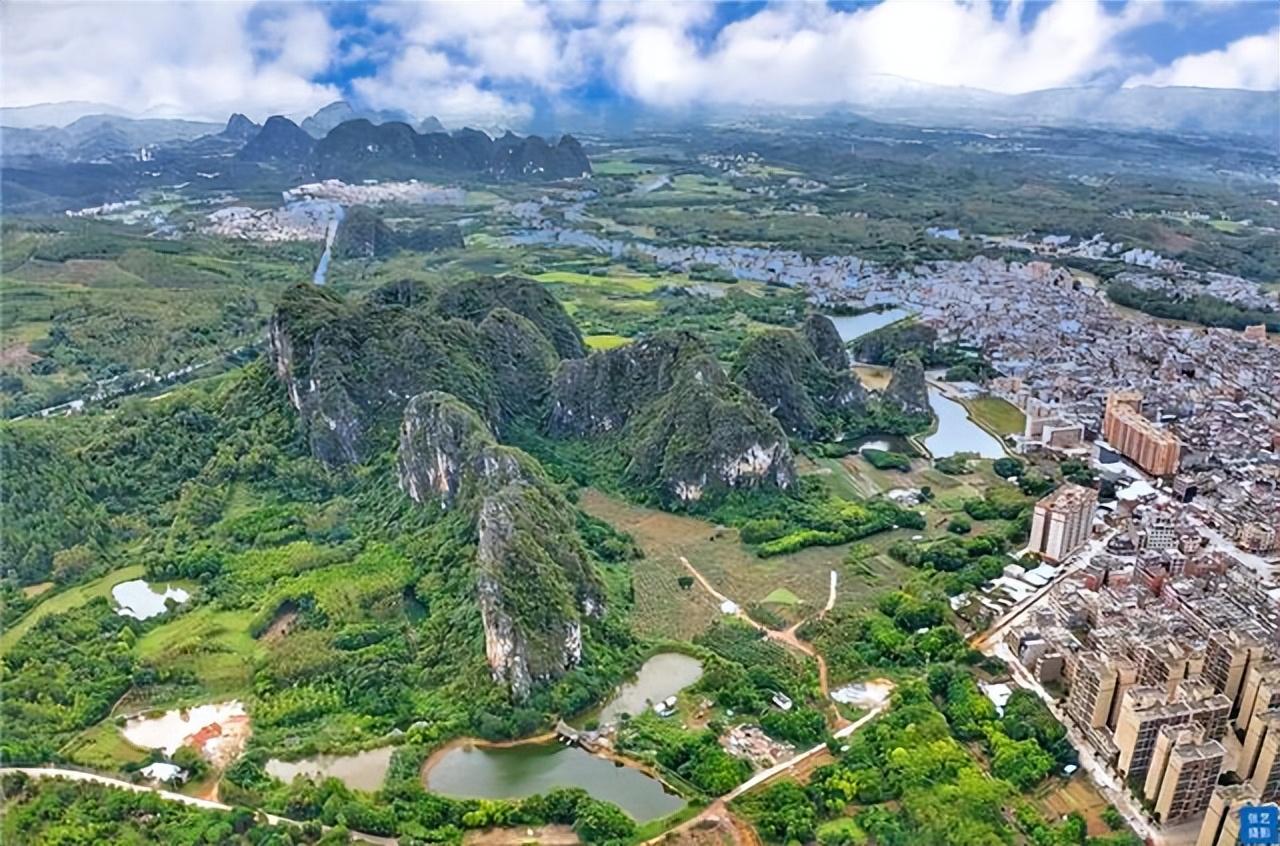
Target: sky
513,62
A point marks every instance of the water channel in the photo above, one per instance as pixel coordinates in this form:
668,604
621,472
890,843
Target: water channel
957,432
854,326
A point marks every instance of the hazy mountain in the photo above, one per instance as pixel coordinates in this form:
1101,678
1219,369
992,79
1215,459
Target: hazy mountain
324,120
431,124
359,149
101,136
1200,110
56,115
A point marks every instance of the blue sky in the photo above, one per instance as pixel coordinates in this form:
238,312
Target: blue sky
513,61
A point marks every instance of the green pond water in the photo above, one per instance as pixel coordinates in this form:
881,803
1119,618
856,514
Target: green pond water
516,771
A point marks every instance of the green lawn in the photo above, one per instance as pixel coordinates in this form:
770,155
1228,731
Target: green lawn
215,645
103,747
782,596
997,414
606,342
66,600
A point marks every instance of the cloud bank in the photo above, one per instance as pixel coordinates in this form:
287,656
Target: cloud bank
492,62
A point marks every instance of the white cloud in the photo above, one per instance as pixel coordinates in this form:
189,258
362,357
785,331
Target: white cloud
806,53
1252,62
201,59
484,62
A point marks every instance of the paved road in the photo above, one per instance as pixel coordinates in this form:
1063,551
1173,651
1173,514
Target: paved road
169,795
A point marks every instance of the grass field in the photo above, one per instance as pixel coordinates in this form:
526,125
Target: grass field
215,645
997,414
103,747
605,342
802,579
66,600
619,167
782,596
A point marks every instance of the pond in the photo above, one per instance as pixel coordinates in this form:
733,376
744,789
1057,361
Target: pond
663,675
361,771
512,772
852,326
139,600
957,432
218,731
885,443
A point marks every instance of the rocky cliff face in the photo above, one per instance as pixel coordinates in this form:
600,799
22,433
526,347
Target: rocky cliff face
535,584
600,393
349,368
826,342
907,391
705,436
781,368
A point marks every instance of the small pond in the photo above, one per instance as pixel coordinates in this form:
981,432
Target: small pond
957,432
361,771
663,675
853,326
139,600
218,731
512,772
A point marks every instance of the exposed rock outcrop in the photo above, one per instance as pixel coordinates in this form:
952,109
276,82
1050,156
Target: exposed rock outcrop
705,436
535,583
780,367
350,368
907,391
826,341
600,393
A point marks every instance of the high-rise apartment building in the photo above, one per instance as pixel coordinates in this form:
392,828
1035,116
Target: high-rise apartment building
1162,663
1227,657
1264,776
1260,692
1062,520
1155,450
1221,826
1183,772
1093,687
1146,710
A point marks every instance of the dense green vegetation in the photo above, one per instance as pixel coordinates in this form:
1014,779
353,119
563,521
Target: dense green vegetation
907,778
55,811
1200,308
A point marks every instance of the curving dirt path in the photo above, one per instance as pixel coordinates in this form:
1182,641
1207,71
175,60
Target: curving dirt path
787,637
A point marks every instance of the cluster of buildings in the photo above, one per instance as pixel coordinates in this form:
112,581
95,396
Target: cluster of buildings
373,193
1169,656
1191,283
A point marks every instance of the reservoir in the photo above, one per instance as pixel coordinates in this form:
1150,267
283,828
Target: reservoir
663,675
956,432
512,772
852,326
138,600
361,771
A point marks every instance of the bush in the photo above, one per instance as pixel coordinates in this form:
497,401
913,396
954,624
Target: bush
959,525
884,460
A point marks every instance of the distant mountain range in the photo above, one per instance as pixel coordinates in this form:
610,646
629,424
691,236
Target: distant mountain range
1203,111
360,149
